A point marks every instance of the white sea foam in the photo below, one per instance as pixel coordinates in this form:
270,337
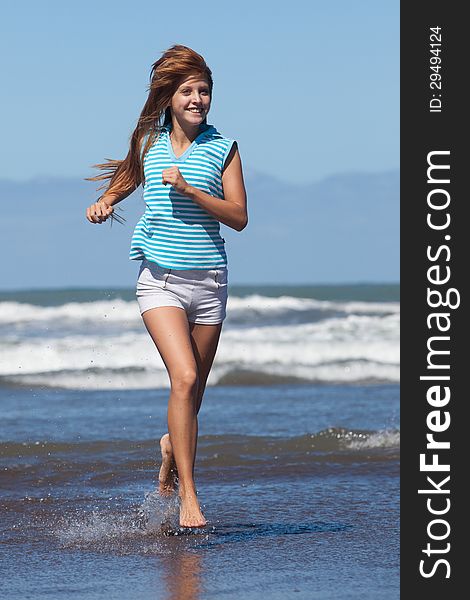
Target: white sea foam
121,310
111,310
103,345
353,337
262,304
379,439
346,373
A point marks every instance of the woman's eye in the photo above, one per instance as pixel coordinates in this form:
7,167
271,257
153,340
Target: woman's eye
206,92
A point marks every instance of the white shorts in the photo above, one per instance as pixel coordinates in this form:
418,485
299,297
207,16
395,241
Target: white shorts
202,293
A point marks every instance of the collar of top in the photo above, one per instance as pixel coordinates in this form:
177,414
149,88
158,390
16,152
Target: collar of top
204,128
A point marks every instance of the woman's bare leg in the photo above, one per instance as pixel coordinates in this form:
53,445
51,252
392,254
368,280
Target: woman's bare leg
204,340
169,328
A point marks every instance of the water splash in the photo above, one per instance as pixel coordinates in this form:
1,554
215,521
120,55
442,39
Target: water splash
140,529
159,514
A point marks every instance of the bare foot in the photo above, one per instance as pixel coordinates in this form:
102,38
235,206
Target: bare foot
190,511
168,475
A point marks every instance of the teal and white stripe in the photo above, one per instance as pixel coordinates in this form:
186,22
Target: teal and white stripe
174,231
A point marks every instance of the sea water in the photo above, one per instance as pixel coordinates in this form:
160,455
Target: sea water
298,454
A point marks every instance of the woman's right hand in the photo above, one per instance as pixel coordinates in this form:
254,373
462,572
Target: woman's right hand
99,212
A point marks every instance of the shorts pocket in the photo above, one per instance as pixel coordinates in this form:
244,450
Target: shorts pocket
157,272
221,278
151,276
165,277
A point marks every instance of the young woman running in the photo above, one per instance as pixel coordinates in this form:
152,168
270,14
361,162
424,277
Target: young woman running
192,181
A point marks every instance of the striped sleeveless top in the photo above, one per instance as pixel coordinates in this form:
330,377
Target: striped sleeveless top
174,231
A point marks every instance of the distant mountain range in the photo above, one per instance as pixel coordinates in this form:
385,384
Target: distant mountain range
344,228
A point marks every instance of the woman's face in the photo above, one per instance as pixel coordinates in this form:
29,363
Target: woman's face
191,101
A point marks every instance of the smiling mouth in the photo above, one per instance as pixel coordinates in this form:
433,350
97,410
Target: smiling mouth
195,110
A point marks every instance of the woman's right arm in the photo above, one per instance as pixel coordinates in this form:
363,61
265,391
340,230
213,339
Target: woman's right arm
101,210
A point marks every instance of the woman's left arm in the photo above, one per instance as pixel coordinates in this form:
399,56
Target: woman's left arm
232,211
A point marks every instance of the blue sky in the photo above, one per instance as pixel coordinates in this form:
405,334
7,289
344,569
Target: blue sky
308,88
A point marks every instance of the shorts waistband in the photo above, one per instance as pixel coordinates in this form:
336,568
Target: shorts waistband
195,274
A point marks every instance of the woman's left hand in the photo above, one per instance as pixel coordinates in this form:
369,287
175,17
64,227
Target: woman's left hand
173,176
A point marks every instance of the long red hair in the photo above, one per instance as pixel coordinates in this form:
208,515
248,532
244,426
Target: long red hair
176,64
